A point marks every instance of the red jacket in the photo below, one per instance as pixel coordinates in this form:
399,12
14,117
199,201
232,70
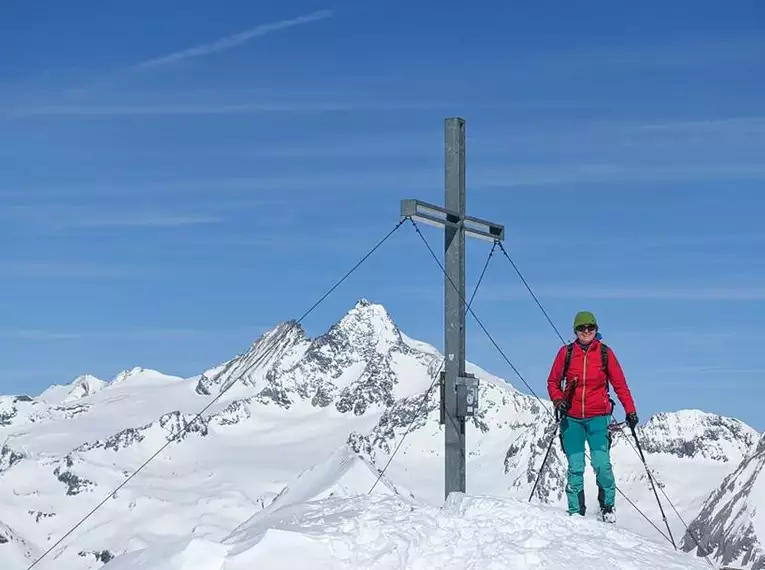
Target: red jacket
590,396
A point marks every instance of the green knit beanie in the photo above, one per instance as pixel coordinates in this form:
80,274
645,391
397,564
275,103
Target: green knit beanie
584,318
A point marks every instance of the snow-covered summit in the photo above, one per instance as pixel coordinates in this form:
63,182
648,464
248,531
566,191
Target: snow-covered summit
389,533
694,433
139,375
358,362
87,385
82,387
366,325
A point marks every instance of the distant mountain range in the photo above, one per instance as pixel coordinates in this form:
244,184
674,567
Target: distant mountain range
305,418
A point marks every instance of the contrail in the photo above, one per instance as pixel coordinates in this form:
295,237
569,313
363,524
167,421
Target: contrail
234,40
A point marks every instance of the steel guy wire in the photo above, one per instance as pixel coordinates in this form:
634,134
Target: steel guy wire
549,320
650,473
220,394
435,378
504,356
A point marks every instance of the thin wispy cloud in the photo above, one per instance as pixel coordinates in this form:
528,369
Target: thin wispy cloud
138,334
677,54
14,111
722,293
233,192
181,333
233,40
615,173
297,242
73,270
60,217
34,334
147,220
754,124
128,109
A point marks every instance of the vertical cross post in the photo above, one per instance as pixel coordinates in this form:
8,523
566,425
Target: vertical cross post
454,310
459,390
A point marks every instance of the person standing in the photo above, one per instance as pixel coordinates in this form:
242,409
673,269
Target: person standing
587,366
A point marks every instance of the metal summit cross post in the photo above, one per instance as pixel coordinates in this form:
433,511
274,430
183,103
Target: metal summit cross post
459,391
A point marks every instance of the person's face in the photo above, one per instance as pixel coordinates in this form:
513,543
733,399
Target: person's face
586,333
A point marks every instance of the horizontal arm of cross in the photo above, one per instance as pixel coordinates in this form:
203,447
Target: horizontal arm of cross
440,217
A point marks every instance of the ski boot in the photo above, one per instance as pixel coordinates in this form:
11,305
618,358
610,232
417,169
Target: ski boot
607,514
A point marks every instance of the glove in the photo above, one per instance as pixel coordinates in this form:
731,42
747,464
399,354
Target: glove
561,407
632,419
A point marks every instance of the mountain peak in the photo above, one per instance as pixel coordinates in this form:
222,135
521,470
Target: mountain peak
365,324
249,367
139,375
81,387
694,433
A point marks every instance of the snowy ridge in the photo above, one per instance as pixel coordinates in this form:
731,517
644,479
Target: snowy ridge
389,533
15,550
309,421
696,434
251,367
354,365
345,473
82,387
18,411
138,376
9,457
729,527
15,410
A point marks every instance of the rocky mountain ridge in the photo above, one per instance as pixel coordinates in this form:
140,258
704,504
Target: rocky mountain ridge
729,526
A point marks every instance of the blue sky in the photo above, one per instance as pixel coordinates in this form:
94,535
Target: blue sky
176,177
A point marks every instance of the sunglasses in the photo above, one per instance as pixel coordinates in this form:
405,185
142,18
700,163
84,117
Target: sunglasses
586,328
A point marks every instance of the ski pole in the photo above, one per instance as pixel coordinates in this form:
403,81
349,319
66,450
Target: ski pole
648,472
558,418
547,453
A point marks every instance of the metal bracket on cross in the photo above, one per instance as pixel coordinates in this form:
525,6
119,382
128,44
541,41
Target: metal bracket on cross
467,395
466,388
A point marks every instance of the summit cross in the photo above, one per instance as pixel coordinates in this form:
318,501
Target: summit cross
459,391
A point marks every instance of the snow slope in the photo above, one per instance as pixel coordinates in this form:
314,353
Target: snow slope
388,533
305,419
15,551
729,526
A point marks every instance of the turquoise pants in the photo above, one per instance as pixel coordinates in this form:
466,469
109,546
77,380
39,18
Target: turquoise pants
574,433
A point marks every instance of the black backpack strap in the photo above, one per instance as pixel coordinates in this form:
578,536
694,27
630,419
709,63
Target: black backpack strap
569,350
604,358
604,361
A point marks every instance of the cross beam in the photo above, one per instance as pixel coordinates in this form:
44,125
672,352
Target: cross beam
459,391
442,217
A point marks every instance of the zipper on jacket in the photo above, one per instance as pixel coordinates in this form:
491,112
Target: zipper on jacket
584,379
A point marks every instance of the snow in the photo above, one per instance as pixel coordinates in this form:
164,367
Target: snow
389,533
367,319
15,551
81,387
729,524
138,376
308,424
